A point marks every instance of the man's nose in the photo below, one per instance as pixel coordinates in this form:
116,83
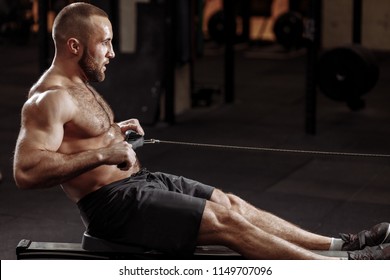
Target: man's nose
111,53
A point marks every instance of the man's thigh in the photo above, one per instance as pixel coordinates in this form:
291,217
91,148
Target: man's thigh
183,185
163,220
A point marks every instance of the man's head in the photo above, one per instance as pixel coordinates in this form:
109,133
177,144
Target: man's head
84,32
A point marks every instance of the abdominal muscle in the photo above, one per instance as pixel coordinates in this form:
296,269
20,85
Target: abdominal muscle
98,177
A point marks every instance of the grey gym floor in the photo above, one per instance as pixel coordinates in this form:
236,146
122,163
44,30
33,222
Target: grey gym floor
324,194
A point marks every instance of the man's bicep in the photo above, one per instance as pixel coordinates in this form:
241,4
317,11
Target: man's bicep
42,137
33,144
43,124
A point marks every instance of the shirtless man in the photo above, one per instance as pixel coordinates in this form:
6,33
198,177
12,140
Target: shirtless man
69,137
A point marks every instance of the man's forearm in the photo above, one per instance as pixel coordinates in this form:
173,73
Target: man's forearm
46,169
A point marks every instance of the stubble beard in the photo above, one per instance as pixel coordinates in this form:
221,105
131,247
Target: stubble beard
92,70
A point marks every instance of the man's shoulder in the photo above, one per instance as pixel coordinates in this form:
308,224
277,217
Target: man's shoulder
50,94
53,86
49,101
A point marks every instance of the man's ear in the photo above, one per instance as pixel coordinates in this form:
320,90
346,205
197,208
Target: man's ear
74,46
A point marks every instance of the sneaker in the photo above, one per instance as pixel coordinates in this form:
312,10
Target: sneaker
370,253
378,234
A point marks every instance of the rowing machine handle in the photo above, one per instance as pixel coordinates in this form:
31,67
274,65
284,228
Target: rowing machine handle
133,138
136,140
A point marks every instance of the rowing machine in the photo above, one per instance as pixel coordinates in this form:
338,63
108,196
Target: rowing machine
97,249
93,248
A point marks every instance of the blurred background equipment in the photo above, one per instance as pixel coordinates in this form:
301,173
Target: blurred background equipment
347,73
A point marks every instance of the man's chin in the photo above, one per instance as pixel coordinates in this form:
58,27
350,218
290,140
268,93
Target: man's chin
98,79
101,77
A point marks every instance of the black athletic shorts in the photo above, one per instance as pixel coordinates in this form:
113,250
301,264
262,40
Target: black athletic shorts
153,210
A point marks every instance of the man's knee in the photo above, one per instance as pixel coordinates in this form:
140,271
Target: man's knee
237,203
230,201
221,198
219,224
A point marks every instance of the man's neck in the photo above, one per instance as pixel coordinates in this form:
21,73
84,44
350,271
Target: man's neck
70,69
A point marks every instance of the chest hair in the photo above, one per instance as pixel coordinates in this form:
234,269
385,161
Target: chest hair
94,114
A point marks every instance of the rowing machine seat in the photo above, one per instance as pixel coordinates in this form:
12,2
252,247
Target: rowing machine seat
95,244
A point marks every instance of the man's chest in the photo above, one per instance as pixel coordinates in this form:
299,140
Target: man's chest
93,115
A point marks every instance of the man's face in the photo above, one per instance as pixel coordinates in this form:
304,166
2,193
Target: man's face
93,68
98,51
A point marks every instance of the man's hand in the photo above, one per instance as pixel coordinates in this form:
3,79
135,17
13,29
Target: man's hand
120,154
132,124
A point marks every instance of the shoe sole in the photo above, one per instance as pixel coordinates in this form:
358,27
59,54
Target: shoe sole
387,236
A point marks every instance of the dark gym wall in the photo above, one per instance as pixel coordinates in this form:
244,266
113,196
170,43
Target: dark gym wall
338,23
134,81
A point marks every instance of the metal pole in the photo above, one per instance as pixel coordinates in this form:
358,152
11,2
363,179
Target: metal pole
43,36
314,41
229,51
246,15
170,51
357,21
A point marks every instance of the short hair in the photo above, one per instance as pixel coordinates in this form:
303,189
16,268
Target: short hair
74,21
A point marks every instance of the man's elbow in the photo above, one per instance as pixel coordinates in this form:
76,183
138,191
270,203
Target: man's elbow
24,181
